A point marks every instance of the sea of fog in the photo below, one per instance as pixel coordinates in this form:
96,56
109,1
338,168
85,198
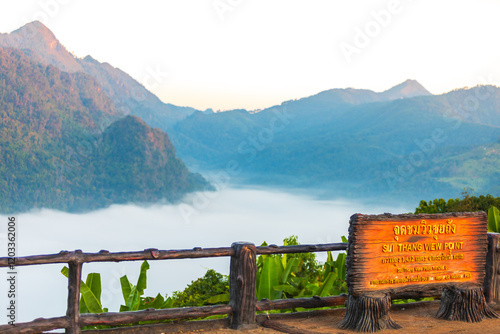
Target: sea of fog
213,219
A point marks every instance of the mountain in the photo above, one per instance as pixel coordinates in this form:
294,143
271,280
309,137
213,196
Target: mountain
137,163
354,143
409,88
339,96
37,41
53,153
128,95
403,143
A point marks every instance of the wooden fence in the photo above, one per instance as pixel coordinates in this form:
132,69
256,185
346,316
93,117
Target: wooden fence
242,305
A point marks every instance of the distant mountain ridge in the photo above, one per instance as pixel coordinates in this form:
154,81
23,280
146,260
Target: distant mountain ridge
407,89
400,143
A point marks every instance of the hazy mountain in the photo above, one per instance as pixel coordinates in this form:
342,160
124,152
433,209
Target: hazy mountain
137,163
353,142
409,88
54,154
402,142
129,96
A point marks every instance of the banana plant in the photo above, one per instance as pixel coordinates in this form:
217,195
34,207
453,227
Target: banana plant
132,294
330,281
90,290
493,219
90,295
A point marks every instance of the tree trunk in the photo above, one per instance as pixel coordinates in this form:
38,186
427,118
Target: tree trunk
464,304
368,313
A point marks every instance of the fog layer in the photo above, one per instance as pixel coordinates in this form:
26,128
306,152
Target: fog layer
213,219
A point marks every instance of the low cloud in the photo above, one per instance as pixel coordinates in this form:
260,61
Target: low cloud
253,215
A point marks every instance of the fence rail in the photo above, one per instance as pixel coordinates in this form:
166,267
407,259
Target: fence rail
242,301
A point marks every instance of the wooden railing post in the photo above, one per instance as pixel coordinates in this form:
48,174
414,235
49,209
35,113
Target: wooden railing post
242,285
73,311
492,278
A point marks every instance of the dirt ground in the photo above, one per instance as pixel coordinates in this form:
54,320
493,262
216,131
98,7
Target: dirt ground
412,319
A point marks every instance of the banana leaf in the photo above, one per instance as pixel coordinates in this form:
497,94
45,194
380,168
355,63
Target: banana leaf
493,219
269,277
150,302
142,280
126,287
324,290
288,269
169,303
92,303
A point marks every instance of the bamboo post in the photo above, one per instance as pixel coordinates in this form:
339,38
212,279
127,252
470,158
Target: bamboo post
492,278
242,285
73,310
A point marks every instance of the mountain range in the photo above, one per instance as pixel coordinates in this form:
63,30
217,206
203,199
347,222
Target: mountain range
403,143
65,145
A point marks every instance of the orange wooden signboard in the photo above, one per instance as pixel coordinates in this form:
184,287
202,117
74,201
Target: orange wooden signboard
415,255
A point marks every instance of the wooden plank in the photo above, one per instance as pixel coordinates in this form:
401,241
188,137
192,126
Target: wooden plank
202,326
411,255
155,254
35,326
242,285
119,318
105,256
492,279
314,302
273,249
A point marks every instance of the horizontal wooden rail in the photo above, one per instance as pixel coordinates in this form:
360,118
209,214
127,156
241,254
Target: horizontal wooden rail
314,302
273,249
155,254
118,318
105,256
36,326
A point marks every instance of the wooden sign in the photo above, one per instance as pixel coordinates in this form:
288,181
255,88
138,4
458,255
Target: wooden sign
415,255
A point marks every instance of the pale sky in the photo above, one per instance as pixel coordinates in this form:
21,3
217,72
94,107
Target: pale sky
252,54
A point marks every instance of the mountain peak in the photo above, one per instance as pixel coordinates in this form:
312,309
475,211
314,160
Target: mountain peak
35,29
409,88
37,38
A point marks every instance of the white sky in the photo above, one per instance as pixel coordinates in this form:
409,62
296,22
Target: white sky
261,52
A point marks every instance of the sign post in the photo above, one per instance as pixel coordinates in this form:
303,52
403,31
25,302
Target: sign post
415,256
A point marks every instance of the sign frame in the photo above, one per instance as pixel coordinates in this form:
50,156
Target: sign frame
446,237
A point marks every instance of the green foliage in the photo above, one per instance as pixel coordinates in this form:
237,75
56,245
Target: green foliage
90,295
133,294
299,275
212,288
90,291
468,203
494,220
